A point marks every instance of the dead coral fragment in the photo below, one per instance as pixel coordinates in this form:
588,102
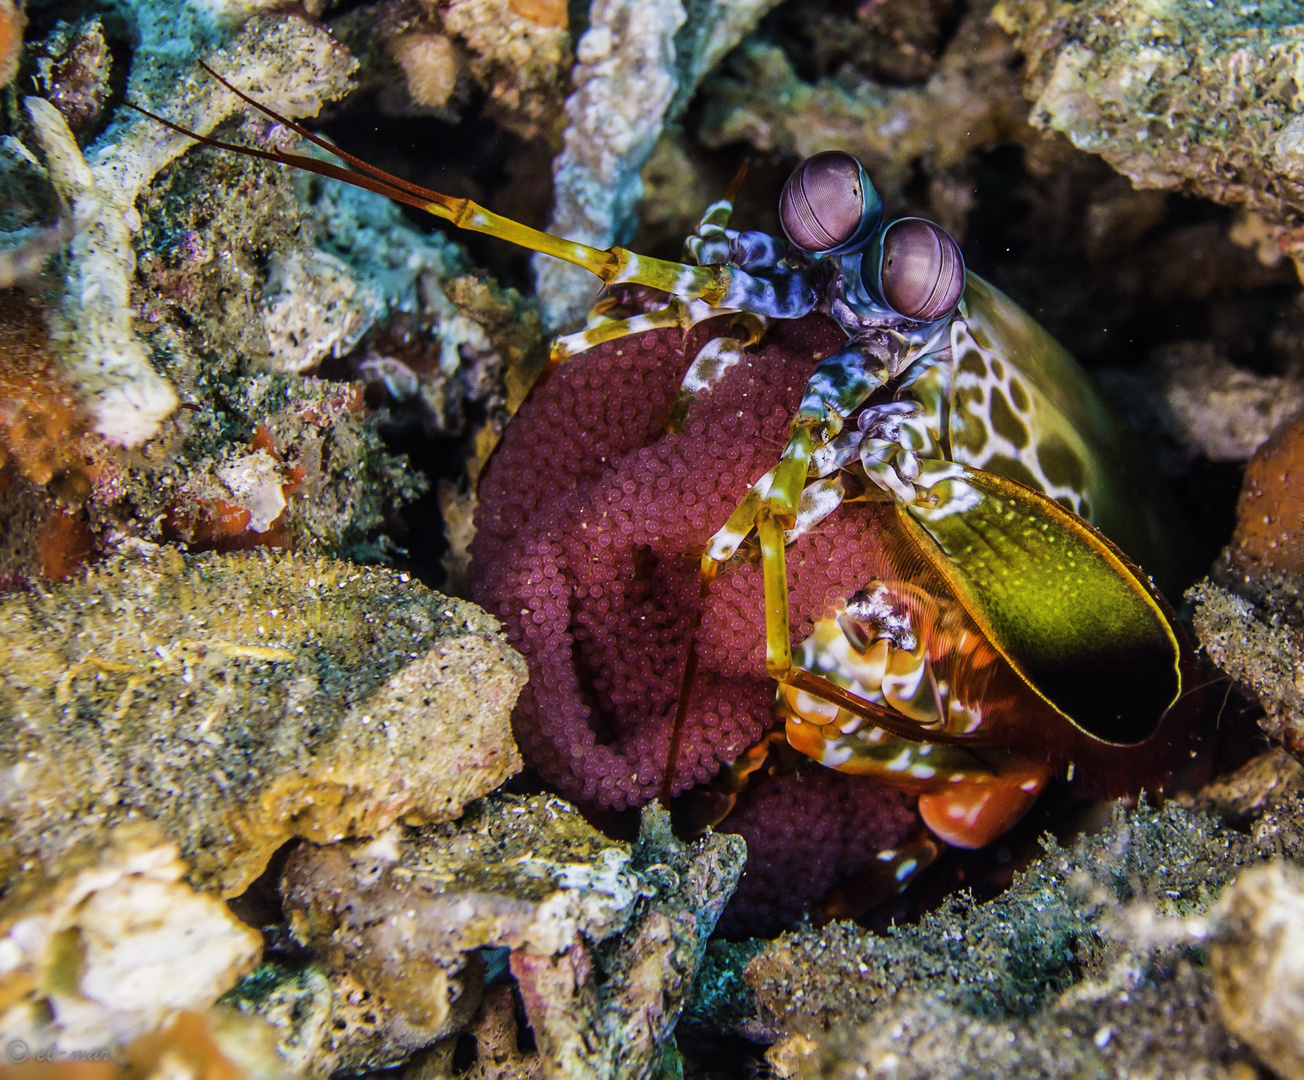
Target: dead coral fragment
1208,406
1181,95
519,58
295,67
328,1023
243,700
1249,615
1257,958
106,942
405,914
518,873
610,1014
295,1002
639,63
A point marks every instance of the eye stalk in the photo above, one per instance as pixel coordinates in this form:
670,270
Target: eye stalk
828,205
915,268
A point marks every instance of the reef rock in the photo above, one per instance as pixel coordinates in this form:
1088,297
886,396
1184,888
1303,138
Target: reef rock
1255,634
1190,393
969,102
1258,964
240,701
406,914
1249,615
1180,95
107,942
1083,967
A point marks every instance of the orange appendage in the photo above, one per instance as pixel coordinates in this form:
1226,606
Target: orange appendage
972,815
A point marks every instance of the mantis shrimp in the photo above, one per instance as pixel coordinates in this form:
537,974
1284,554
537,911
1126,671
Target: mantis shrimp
1022,640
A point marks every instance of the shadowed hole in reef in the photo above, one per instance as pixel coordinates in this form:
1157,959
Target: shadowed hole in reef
260,906
465,1053
472,158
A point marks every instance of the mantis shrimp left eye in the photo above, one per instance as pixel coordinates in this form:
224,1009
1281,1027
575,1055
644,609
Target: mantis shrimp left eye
915,268
829,205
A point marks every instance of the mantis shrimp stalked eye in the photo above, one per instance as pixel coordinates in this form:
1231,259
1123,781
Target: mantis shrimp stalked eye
943,532
915,268
829,205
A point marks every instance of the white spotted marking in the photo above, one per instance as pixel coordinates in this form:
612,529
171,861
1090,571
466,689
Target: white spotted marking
836,754
899,763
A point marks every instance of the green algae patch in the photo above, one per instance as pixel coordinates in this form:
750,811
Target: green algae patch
243,700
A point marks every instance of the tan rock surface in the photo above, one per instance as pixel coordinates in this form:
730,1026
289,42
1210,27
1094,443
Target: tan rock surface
240,701
109,942
1257,957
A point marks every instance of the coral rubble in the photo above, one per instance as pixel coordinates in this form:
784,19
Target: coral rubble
426,59
239,701
1206,405
107,361
970,102
105,942
1254,634
1180,96
638,65
604,940
73,65
1088,965
225,284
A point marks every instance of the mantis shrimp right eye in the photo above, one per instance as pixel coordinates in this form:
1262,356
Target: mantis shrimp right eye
829,204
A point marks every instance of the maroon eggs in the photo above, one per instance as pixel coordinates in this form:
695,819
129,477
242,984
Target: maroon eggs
590,530
591,525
